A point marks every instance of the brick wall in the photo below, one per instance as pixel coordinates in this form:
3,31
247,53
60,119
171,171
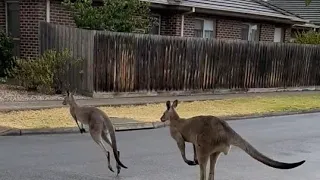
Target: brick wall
31,13
228,29
225,28
188,29
2,15
59,14
170,24
267,32
178,24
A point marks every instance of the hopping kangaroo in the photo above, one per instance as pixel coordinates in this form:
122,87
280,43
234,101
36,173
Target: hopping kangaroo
100,127
211,136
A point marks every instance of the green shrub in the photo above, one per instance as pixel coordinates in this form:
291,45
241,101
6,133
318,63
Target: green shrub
113,15
309,37
47,73
7,62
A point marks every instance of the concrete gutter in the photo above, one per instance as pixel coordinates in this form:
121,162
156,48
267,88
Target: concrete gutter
142,125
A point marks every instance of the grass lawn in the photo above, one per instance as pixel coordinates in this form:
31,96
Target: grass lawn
60,117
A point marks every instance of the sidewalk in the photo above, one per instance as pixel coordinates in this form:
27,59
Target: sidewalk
33,105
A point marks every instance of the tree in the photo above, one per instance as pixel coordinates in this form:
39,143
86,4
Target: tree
114,15
309,37
308,2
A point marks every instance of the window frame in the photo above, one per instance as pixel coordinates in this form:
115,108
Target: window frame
6,14
15,39
249,38
283,34
159,22
203,29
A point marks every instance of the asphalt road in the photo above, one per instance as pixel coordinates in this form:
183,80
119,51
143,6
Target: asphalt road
152,154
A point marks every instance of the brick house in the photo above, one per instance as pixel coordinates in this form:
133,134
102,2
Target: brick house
21,19
252,20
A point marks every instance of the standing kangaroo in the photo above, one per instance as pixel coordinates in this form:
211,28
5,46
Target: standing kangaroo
100,127
211,136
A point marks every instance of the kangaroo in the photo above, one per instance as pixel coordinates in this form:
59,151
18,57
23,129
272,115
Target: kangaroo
100,127
211,136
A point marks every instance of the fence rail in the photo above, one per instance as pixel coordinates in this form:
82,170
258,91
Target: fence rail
122,62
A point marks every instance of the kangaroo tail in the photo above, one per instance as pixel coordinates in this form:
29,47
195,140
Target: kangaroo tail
113,140
238,141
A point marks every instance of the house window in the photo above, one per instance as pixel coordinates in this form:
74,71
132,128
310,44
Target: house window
278,34
204,28
250,32
155,27
13,24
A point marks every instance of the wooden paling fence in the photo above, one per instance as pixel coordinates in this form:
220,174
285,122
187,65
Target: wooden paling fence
121,62
81,44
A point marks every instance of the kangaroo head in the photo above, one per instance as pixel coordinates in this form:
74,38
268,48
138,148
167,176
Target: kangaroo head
68,98
170,113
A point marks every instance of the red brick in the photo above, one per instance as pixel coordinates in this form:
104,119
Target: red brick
29,26
170,24
267,32
226,28
60,15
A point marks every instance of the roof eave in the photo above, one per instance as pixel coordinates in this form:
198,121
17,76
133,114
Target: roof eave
286,19
170,7
300,21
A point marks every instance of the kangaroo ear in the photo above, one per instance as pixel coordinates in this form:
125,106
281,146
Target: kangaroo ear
168,105
175,103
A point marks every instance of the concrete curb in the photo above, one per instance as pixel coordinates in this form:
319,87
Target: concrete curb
272,114
10,132
117,126
143,125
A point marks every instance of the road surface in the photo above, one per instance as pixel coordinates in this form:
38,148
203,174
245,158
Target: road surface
152,154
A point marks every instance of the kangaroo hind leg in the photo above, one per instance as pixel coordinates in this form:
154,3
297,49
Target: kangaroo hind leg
203,160
97,138
106,139
213,161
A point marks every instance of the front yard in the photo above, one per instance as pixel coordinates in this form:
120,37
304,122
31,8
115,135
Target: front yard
60,117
